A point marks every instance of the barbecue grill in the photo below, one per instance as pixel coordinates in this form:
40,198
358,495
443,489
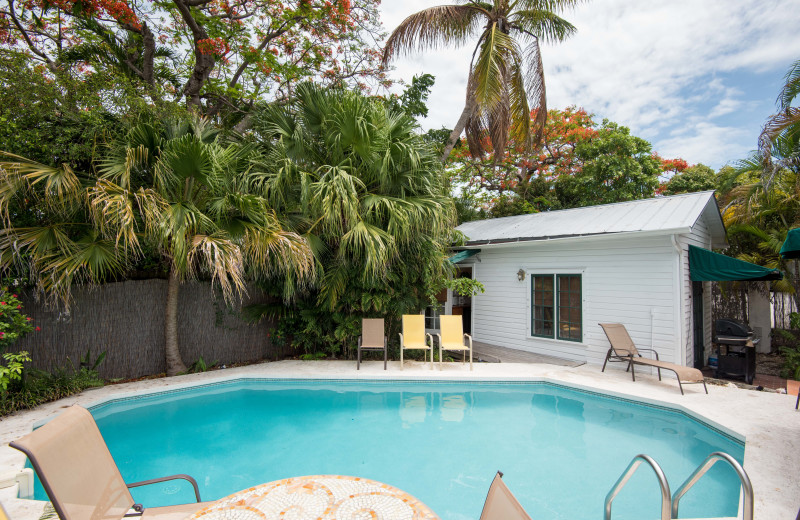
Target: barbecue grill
735,347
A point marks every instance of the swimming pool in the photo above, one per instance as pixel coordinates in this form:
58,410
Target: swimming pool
561,449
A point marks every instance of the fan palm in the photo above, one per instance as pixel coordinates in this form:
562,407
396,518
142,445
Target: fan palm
365,190
505,80
179,187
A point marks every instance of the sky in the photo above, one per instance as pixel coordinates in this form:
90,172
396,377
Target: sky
696,78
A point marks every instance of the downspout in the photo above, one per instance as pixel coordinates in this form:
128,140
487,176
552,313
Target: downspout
680,314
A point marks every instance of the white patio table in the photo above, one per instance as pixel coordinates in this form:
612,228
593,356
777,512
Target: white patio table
318,497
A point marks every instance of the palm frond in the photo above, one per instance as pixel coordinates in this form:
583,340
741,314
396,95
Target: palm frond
222,258
791,87
543,25
434,28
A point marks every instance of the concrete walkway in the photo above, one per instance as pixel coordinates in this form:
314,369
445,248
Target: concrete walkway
768,421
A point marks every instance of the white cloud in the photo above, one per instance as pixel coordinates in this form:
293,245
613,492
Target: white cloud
652,67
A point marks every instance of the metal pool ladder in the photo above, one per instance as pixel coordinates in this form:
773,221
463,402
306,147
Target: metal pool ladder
669,505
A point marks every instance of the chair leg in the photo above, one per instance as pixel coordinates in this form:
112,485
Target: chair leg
704,386
470,360
440,357
798,401
358,363
633,370
680,385
659,374
606,361
401,357
385,356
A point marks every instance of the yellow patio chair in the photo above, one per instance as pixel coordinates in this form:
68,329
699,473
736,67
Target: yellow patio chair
414,336
453,337
501,504
79,475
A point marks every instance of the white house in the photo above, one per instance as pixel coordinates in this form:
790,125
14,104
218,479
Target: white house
551,277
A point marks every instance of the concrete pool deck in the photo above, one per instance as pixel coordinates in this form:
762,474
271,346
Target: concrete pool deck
768,421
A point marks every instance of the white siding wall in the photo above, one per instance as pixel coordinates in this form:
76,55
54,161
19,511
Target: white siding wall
699,237
624,279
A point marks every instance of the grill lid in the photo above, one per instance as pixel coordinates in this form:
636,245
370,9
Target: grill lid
729,327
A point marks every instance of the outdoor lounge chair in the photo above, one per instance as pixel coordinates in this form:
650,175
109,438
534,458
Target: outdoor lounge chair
414,336
501,504
453,337
622,349
79,475
371,338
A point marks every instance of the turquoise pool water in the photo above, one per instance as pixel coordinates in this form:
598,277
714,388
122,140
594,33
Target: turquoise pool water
561,449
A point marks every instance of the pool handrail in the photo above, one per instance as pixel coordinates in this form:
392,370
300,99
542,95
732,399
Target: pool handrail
747,486
666,499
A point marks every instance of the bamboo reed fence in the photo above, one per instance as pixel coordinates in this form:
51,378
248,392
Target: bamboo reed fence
126,320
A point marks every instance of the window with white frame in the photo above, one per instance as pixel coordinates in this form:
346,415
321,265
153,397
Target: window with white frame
556,306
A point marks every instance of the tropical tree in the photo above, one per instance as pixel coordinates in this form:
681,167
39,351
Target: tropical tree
760,208
177,187
779,142
693,178
579,163
357,180
505,80
220,57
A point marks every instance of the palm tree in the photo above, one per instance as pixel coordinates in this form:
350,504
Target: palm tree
504,80
177,186
780,137
765,215
360,184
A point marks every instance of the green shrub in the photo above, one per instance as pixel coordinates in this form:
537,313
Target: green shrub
37,387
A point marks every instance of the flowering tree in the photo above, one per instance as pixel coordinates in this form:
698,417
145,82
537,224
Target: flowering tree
579,163
219,55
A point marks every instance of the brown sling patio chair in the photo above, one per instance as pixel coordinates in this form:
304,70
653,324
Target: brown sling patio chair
371,338
453,337
622,349
501,504
415,337
79,475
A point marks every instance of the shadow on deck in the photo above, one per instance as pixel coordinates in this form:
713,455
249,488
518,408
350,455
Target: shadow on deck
494,354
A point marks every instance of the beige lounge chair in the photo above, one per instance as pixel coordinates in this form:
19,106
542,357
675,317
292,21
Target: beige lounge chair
414,336
76,470
453,337
371,338
501,504
623,349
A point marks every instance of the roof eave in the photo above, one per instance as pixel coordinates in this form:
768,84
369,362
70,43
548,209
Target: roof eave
590,236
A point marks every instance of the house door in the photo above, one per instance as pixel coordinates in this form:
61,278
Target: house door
697,314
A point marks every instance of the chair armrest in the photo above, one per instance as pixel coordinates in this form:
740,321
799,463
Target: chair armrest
359,342
192,481
649,350
386,342
428,336
439,336
469,340
401,339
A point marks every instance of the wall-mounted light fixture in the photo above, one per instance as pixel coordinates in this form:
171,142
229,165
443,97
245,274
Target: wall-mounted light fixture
521,275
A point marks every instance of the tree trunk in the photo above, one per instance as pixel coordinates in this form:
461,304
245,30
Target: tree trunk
148,57
175,364
469,107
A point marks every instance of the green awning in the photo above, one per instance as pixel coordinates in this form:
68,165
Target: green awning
708,266
463,255
791,246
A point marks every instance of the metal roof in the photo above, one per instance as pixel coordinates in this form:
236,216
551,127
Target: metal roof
675,214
